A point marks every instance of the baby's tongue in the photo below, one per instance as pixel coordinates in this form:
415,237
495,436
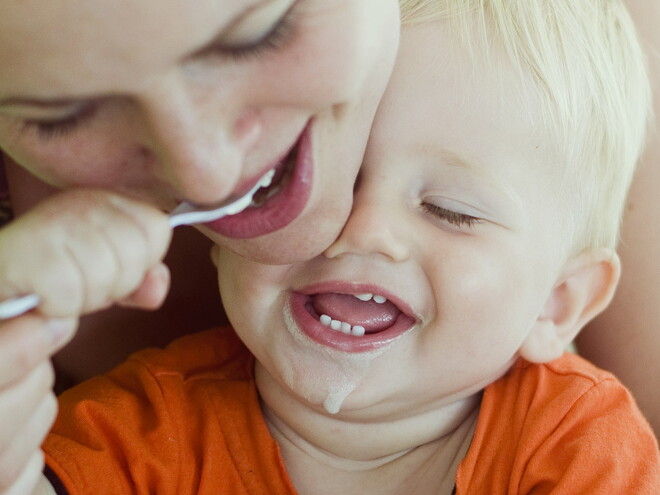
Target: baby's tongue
373,316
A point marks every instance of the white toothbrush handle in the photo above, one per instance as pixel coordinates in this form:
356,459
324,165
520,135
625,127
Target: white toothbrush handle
16,306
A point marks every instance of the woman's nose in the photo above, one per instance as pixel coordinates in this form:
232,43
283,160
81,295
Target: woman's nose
375,226
200,151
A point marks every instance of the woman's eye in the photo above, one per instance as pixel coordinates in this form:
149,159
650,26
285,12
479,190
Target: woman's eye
454,218
275,39
50,129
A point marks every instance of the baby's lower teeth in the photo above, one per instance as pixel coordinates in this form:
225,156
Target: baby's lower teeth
342,326
358,331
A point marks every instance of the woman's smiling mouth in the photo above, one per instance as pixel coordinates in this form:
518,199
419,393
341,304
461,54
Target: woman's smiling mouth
280,203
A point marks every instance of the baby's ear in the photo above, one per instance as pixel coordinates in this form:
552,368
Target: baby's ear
583,289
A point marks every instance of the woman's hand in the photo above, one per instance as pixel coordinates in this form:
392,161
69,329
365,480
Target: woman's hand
83,250
79,251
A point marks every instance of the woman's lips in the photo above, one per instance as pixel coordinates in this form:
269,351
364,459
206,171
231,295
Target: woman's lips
280,209
310,325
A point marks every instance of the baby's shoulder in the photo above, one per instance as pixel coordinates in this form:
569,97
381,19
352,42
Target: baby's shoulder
566,424
215,353
570,370
560,387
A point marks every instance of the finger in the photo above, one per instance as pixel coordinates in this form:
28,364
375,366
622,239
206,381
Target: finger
27,341
30,477
23,396
138,244
152,291
81,250
129,239
17,455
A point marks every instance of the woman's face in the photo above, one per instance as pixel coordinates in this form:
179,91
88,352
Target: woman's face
170,100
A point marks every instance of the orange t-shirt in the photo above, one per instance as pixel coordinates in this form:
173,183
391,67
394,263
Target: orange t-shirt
186,420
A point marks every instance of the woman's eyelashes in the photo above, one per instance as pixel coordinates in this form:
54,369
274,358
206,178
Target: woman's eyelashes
54,128
454,218
275,39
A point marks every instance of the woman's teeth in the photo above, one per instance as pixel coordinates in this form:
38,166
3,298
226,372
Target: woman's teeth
345,327
282,170
247,200
266,181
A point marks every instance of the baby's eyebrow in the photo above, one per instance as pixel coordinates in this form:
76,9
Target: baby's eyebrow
458,162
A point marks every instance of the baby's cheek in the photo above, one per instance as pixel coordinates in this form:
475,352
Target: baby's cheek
242,278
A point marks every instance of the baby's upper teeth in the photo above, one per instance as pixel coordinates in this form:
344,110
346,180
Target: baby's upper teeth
369,297
342,326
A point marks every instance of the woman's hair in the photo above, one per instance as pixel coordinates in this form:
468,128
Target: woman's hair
590,70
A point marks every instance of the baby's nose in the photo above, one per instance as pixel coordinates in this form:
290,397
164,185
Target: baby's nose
371,228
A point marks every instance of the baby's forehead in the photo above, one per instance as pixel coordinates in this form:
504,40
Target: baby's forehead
469,113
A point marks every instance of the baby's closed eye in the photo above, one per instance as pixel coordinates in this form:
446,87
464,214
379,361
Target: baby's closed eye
452,217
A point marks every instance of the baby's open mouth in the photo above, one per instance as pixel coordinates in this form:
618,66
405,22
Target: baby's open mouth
357,315
350,321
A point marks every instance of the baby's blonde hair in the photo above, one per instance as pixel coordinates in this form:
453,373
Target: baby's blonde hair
588,64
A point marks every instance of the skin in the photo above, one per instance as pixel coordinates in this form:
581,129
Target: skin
625,338
467,238
191,111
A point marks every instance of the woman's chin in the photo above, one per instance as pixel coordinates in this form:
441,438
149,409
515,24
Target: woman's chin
294,243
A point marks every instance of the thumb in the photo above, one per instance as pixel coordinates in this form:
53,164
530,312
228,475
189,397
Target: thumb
152,291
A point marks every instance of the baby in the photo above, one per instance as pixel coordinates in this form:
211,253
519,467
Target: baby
423,352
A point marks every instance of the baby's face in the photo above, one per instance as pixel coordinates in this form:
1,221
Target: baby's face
457,223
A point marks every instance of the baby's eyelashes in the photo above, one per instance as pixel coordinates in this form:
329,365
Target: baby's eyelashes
454,218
